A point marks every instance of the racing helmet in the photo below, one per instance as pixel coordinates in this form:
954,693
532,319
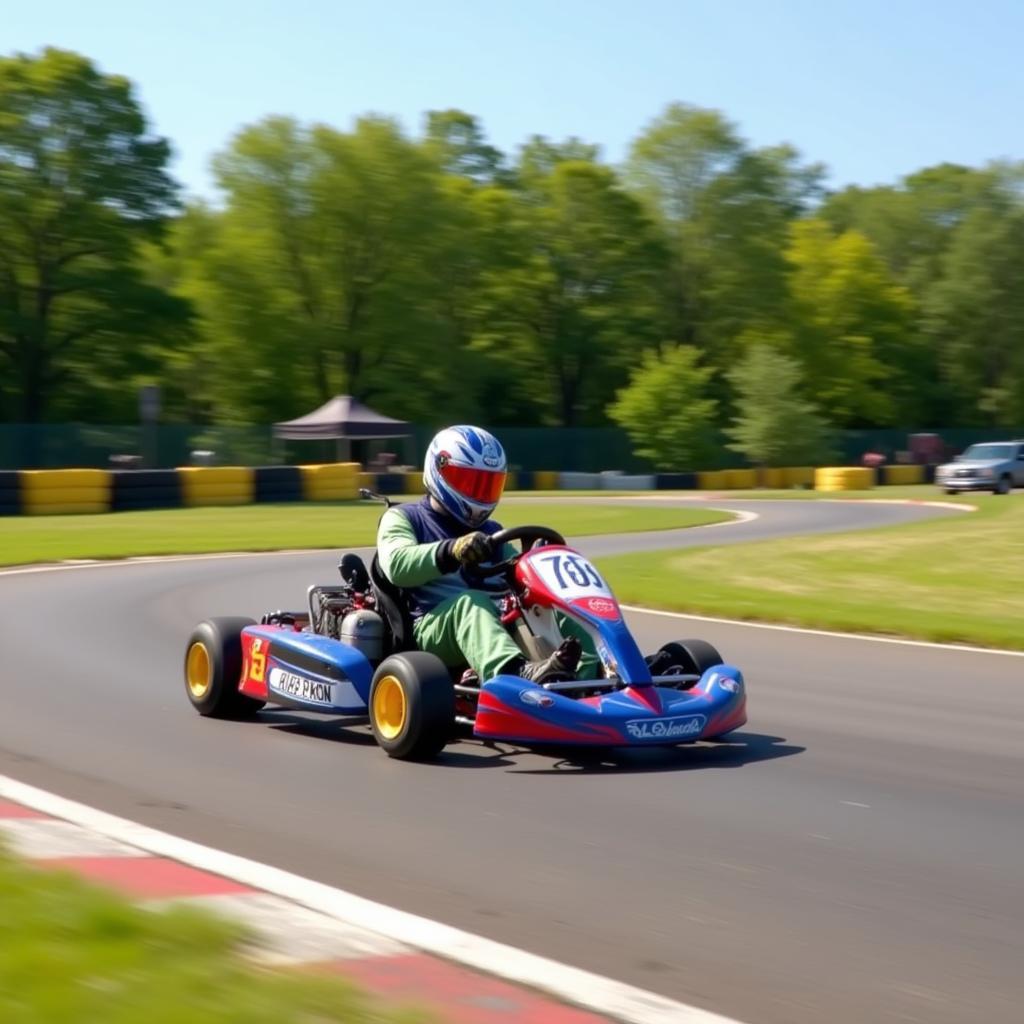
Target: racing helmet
464,471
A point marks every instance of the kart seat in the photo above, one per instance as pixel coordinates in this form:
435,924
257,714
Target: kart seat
392,606
353,572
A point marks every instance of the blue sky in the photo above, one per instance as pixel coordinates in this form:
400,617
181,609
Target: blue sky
873,89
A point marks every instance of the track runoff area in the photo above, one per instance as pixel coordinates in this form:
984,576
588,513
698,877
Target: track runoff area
919,761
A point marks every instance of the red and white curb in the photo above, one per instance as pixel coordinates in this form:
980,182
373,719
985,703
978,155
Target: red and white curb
464,978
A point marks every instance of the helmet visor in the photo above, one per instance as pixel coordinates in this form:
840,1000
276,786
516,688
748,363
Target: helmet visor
482,485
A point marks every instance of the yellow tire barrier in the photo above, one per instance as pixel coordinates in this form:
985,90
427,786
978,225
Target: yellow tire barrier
216,485
740,479
58,491
414,482
65,506
32,480
711,480
771,476
844,478
798,476
332,481
545,480
903,474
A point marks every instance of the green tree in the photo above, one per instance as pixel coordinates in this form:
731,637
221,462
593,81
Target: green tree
457,140
913,222
852,327
930,229
321,276
666,411
774,425
739,239
539,156
576,297
974,317
727,209
82,184
483,244
678,155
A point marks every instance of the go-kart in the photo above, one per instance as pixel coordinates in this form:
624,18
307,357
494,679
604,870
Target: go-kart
351,653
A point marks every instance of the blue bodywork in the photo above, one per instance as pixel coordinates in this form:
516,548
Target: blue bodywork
317,673
334,670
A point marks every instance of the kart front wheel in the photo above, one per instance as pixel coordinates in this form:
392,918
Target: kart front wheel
213,669
691,657
412,706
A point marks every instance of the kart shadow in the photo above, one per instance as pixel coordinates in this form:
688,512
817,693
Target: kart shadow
734,751
354,731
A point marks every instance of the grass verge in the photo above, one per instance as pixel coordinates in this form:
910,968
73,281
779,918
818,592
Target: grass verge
955,579
70,952
27,539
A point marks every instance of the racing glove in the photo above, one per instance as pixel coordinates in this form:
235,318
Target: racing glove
469,549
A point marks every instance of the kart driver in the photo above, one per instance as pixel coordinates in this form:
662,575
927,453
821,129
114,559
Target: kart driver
423,548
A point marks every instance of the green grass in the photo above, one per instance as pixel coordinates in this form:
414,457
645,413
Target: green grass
74,954
958,578
27,539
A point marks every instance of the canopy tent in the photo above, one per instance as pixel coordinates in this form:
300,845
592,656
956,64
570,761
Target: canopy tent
344,418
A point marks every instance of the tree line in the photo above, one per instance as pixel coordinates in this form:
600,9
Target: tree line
703,283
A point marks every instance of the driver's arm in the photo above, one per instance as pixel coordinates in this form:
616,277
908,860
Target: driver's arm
404,561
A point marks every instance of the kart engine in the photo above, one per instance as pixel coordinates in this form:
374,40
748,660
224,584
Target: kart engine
327,607
337,613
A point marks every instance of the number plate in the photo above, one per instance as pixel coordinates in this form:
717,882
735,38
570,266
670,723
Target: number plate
569,576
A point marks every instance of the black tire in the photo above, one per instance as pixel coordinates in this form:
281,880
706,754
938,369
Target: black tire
1004,486
427,718
693,657
221,640
952,490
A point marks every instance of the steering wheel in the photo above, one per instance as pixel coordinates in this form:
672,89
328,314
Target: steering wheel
528,536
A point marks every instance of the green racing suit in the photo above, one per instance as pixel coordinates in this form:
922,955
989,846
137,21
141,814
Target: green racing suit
451,619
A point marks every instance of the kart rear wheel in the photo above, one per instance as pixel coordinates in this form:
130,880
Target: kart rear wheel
213,669
691,657
412,706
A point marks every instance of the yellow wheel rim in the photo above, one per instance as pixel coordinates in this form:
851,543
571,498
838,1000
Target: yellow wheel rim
389,707
197,670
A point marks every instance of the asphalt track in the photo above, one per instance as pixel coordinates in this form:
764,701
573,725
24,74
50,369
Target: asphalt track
853,854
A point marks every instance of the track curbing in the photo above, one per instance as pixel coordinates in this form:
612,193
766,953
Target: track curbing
570,984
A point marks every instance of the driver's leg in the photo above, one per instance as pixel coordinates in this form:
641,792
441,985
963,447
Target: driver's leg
466,630
590,664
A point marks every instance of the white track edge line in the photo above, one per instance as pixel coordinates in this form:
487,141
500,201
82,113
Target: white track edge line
573,985
113,563
741,515
834,634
